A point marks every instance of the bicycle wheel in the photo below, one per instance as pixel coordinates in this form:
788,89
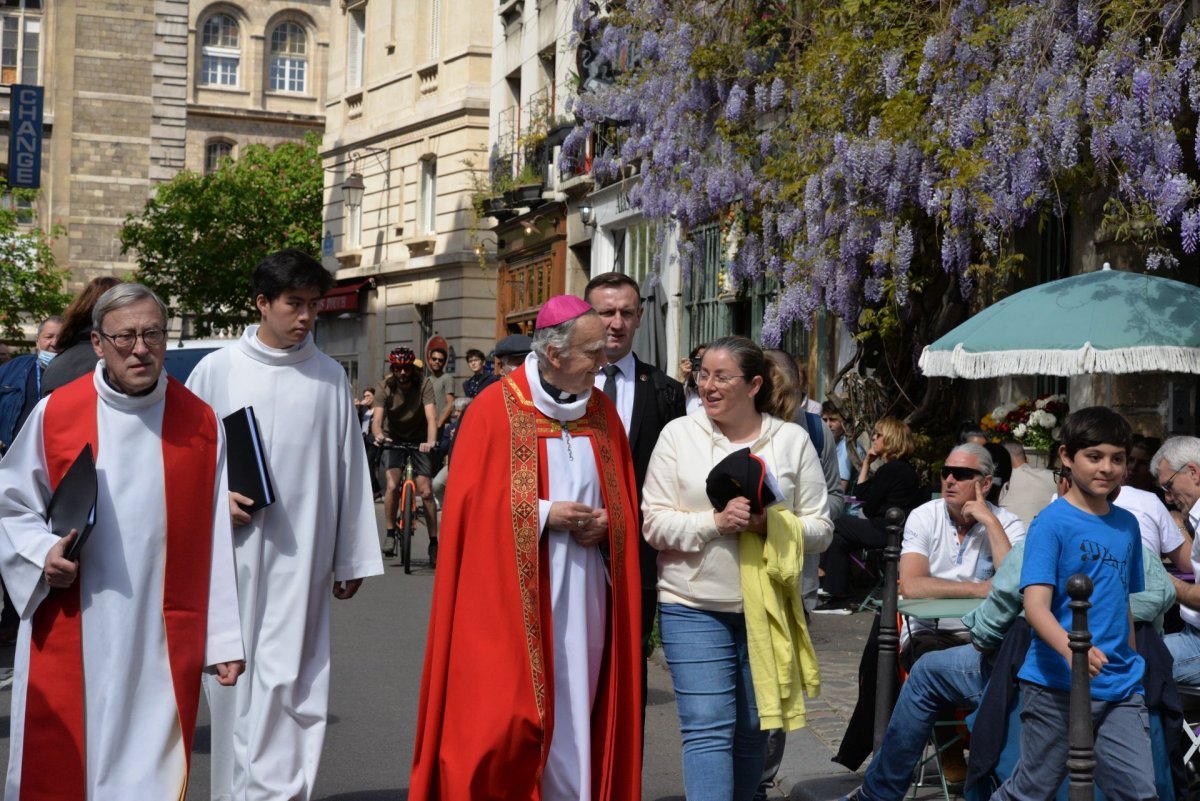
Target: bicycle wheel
406,530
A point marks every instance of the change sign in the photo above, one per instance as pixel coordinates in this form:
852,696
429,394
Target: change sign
25,137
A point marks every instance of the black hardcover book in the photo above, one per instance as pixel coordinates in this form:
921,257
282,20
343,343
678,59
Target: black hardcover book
246,459
73,504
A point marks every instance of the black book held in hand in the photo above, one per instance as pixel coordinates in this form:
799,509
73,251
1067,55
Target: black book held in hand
246,459
73,504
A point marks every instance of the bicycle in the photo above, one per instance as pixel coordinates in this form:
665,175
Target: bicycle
406,513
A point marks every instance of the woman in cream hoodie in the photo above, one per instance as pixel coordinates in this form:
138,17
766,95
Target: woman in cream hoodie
745,403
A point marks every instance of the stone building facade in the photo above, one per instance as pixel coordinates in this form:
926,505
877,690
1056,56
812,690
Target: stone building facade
407,116
128,103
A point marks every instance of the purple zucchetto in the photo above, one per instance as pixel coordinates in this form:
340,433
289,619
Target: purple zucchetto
559,309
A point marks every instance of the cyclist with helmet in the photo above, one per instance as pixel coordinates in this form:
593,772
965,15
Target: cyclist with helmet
404,412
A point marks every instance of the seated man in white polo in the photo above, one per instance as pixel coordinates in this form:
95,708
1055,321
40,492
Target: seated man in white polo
952,547
1176,467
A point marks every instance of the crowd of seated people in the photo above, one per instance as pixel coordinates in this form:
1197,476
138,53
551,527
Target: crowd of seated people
1116,506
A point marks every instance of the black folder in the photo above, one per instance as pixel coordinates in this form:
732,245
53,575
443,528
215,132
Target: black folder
246,459
73,504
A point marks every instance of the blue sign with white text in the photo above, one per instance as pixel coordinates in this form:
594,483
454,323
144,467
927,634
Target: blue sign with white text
25,136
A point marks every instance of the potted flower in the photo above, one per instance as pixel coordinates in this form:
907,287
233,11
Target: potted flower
1035,424
527,188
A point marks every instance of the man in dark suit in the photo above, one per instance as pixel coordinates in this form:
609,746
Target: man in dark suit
646,399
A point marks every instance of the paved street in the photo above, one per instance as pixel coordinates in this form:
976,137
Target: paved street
379,638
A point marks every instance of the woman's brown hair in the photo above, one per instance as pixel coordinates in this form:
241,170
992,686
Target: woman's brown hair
776,396
78,316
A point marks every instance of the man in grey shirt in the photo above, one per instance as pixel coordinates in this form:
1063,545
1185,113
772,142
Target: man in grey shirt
443,388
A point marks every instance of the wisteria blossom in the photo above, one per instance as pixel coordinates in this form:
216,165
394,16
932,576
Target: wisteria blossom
869,145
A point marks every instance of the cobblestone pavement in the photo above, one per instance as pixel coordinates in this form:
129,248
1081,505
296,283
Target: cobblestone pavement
839,640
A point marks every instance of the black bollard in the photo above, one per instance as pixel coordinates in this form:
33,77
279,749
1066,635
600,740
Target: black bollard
1081,761
889,635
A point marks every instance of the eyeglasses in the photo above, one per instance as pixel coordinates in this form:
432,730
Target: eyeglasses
721,379
1166,485
960,473
436,359
151,338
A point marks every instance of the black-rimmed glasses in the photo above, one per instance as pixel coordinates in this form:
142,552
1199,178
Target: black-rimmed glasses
151,338
1166,485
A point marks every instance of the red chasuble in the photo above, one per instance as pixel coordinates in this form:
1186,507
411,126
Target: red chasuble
487,694
54,763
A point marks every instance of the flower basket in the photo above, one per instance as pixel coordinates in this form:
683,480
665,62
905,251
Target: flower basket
1035,424
1037,458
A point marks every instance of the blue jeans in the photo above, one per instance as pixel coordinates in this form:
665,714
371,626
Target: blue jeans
723,746
1124,766
954,676
1185,650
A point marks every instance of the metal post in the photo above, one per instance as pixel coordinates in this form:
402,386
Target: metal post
889,636
1081,761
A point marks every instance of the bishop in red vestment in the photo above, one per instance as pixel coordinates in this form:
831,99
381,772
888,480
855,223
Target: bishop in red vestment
531,688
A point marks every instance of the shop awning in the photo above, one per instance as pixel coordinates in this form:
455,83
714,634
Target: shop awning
341,299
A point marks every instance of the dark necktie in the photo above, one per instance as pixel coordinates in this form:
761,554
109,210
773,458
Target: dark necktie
610,381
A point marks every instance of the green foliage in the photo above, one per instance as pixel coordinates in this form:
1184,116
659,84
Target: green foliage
31,285
199,238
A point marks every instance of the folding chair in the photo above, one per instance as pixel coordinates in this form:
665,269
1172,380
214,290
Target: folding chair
1191,720
862,560
933,758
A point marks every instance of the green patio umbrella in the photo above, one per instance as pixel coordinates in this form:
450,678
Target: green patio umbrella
1107,321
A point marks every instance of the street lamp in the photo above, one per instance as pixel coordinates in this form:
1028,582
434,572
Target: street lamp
352,190
587,215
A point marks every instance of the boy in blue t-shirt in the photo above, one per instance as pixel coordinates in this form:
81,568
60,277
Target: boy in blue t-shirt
1082,532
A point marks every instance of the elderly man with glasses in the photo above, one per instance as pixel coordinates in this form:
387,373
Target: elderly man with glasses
114,640
1176,466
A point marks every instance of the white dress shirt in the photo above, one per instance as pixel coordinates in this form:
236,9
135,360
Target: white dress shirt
626,375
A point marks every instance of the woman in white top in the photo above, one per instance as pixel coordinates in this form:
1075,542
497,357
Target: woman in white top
745,404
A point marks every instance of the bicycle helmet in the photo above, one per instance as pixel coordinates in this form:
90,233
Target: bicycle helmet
402,356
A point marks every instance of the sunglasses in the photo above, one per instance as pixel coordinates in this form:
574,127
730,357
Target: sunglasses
1062,474
960,473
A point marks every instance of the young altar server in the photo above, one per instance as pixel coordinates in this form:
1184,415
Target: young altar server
320,534
112,645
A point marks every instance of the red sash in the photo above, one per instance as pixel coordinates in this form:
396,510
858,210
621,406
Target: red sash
53,765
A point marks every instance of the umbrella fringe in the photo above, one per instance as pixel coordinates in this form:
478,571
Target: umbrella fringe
959,363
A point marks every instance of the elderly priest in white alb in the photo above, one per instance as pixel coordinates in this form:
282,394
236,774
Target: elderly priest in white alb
319,538
111,648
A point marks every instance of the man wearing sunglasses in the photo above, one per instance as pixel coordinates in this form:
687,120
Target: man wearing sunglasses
952,547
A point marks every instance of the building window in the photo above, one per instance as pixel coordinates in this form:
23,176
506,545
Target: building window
20,41
219,53
20,202
427,198
214,153
289,62
356,47
635,250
